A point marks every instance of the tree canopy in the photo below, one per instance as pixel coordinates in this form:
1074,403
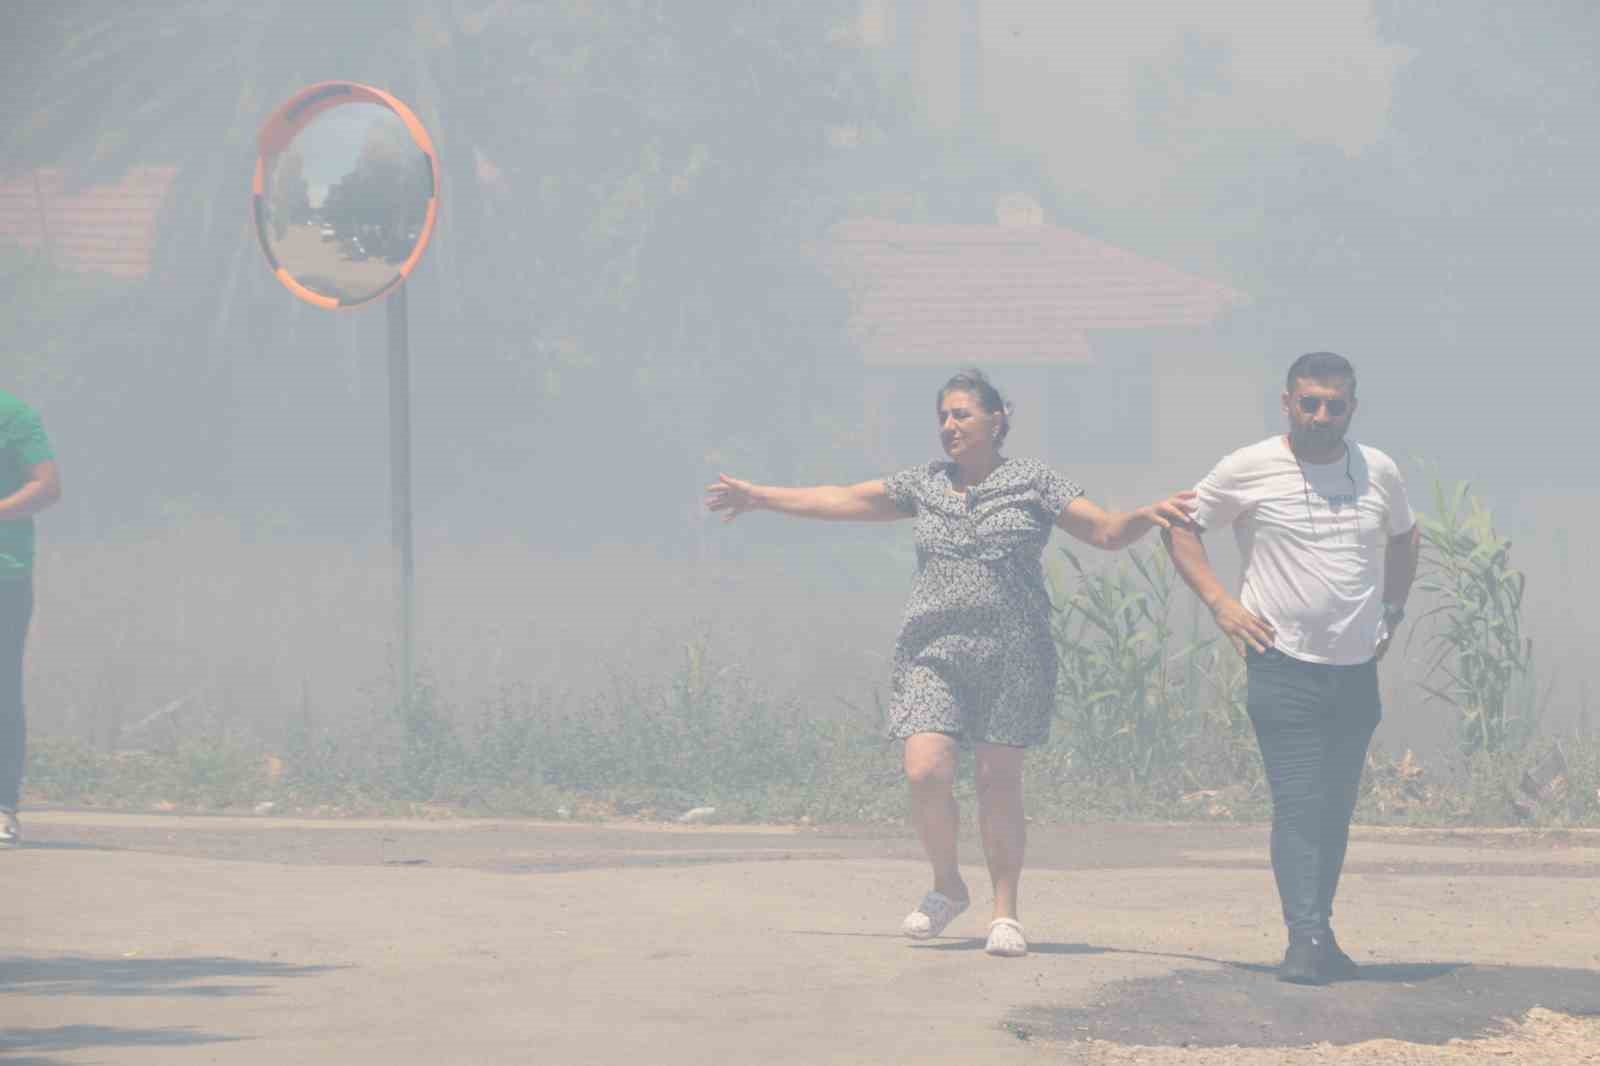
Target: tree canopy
631,193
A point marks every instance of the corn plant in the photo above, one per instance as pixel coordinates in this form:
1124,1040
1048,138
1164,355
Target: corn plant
1222,743
1118,693
1479,661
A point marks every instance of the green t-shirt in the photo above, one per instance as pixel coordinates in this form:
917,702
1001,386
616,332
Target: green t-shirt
23,446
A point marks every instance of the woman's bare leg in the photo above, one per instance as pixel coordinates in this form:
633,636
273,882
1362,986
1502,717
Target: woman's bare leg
1001,821
930,761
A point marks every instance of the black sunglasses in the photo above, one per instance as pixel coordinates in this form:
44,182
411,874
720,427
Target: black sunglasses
1335,405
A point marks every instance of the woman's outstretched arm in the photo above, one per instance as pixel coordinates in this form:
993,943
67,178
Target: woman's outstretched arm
1112,530
867,501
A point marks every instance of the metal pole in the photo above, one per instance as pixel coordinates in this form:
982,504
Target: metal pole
400,482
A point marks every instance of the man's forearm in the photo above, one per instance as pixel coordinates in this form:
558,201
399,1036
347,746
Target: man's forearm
1400,566
1189,557
33,497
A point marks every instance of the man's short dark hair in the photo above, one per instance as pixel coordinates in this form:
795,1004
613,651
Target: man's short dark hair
1321,366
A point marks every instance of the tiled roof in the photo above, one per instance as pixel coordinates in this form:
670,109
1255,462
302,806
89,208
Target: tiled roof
107,227
941,294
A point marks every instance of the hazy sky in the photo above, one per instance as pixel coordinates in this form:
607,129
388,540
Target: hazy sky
1072,78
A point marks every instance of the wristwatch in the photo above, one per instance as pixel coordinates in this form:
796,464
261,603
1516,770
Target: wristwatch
1393,614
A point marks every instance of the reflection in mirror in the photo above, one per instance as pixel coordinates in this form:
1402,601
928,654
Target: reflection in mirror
344,203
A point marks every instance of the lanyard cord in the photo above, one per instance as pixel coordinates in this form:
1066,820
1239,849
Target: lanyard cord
1305,487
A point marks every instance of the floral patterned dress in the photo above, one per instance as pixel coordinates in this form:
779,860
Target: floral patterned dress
975,658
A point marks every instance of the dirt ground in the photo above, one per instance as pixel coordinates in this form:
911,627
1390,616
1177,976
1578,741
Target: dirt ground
172,940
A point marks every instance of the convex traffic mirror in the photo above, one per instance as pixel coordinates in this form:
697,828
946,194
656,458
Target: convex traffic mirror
345,193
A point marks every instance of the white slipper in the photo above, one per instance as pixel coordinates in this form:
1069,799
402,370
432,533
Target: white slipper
936,911
1006,939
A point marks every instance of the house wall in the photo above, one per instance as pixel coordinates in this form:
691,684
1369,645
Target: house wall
1066,415
1156,409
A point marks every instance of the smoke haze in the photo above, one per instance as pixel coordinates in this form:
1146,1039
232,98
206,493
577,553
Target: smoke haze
636,283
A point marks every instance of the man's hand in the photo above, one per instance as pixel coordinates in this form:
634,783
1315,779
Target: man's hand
1244,629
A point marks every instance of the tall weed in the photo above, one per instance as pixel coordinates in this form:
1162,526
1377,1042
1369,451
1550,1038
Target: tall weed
1480,662
1126,684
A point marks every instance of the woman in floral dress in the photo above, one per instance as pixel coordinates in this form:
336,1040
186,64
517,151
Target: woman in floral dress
975,662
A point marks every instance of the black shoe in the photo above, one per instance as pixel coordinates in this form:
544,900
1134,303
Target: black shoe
1303,962
1336,965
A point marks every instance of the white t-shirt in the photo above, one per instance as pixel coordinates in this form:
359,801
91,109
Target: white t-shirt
1313,539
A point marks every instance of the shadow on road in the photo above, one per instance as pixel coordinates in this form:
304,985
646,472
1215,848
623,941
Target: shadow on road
74,1037
1035,947
1243,1004
1398,972
78,975
962,944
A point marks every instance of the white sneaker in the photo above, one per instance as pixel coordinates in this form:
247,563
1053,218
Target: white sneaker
1006,939
10,829
936,911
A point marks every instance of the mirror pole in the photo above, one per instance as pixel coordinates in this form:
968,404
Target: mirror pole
400,482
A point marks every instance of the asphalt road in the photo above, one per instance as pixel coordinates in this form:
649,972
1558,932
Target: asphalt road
175,940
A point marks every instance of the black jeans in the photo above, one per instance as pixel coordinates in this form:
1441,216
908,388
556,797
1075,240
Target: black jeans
1313,722
16,610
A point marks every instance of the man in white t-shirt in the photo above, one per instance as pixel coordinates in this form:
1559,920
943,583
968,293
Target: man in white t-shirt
1329,547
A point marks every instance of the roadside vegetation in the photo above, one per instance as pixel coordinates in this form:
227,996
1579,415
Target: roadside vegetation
1151,724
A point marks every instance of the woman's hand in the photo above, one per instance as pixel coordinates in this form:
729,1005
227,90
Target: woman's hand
1175,510
732,496
1114,531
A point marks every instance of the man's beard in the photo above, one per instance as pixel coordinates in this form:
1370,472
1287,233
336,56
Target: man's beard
1314,439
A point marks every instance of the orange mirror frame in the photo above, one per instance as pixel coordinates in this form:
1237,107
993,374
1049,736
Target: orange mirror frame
277,135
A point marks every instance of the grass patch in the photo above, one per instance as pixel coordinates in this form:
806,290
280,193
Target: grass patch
701,737
704,736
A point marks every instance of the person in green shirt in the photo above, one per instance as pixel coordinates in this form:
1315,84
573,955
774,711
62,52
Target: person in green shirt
29,482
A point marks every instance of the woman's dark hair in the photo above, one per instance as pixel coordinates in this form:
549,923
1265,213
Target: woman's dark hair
977,383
